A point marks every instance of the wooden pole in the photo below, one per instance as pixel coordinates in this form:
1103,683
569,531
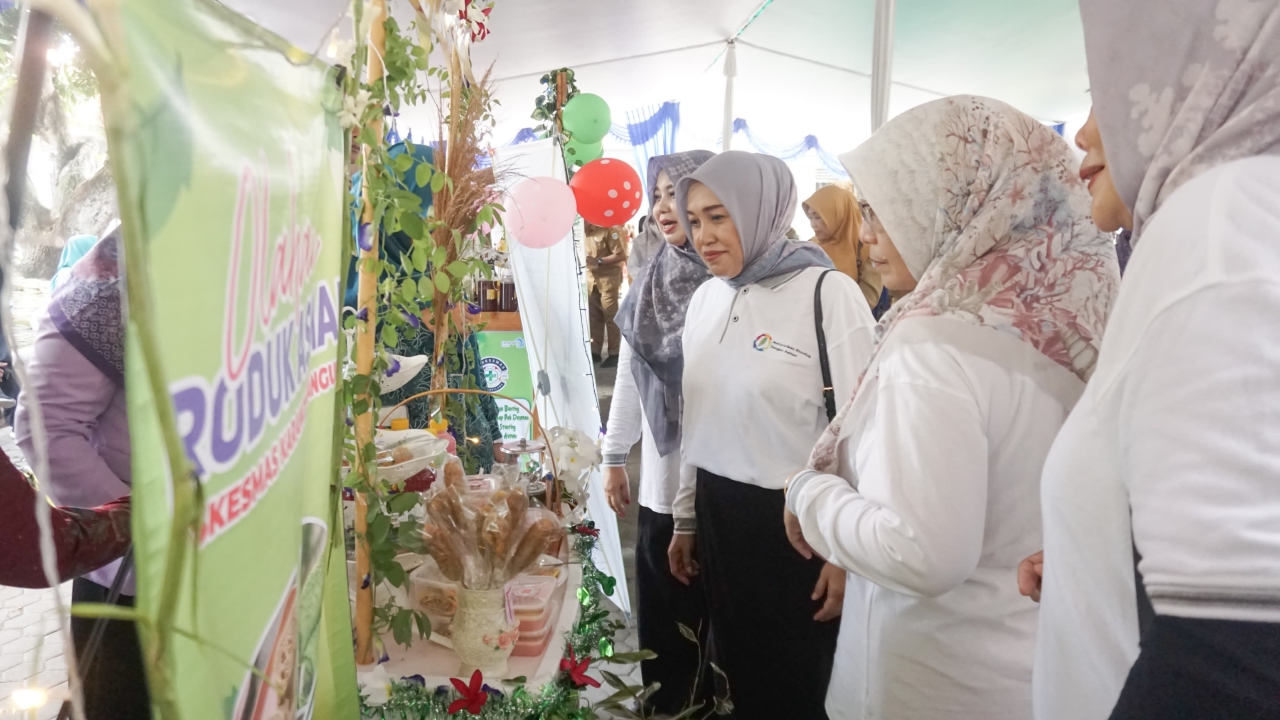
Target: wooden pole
367,299
561,90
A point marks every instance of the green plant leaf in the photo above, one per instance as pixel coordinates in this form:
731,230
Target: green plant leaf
688,633
424,624
389,338
402,162
360,384
458,268
412,224
401,503
442,282
422,175
396,574
631,657
437,182
379,527
402,627
615,682
425,286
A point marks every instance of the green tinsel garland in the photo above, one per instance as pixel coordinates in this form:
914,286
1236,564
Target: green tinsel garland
591,635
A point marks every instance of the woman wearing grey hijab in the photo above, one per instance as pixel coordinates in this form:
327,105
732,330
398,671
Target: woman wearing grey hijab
754,405
1174,448
646,408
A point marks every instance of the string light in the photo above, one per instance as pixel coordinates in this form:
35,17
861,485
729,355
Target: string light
29,698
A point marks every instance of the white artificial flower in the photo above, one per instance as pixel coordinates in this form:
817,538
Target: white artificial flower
344,53
353,107
366,21
453,7
375,686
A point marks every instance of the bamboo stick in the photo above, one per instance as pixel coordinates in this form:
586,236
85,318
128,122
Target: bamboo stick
367,299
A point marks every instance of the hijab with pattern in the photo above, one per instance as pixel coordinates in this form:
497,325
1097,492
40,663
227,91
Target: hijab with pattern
838,209
759,194
651,316
1180,87
88,307
986,207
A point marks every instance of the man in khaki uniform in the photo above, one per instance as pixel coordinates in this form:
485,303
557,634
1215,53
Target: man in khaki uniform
606,252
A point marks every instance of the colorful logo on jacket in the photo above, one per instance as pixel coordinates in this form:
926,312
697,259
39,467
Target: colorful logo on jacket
763,342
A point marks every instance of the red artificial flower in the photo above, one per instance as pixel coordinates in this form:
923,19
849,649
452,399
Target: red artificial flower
584,530
473,697
578,670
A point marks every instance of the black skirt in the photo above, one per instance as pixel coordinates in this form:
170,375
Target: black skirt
663,604
1204,670
759,598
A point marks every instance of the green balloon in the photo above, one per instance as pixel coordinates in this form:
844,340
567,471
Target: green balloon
587,117
582,153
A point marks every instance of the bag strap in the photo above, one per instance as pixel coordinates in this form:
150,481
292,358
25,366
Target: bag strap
828,390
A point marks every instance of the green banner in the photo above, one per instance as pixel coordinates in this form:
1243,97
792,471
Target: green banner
229,159
505,365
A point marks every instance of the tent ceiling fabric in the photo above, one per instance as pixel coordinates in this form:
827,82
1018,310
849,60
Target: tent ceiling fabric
305,23
804,66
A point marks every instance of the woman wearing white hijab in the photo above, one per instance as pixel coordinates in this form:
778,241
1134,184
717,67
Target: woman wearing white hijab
1174,448
753,406
925,487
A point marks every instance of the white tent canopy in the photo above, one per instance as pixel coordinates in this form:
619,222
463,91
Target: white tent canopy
804,66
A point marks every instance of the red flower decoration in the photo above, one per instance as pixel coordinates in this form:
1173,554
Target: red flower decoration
578,670
584,530
473,697
478,25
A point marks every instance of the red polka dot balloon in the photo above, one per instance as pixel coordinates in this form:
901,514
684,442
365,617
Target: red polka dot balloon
608,192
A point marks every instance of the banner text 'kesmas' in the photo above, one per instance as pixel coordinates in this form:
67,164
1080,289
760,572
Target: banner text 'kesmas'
273,325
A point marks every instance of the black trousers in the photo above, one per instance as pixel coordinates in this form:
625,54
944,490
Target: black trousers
1204,670
115,685
664,604
759,598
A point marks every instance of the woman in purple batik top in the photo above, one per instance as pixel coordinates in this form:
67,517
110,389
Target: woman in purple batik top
77,373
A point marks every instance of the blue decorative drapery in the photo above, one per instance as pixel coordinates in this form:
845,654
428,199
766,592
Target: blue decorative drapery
791,152
650,131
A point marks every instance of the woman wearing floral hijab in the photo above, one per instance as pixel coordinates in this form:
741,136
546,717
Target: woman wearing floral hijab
1175,446
753,407
925,487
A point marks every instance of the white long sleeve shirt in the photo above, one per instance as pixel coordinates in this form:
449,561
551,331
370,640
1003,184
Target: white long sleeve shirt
935,503
1180,428
659,476
753,404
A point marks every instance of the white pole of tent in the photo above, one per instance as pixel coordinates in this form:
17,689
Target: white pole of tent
882,62
730,71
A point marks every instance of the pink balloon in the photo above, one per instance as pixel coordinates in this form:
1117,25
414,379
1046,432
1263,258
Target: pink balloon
539,211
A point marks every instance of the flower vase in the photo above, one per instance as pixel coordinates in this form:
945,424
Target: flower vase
484,631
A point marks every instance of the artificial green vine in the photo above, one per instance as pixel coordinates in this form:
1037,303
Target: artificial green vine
438,263
544,107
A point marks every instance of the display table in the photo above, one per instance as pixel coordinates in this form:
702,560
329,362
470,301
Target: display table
437,663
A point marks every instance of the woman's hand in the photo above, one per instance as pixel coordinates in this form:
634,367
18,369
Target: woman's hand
680,555
831,584
795,534
1031,575
617,488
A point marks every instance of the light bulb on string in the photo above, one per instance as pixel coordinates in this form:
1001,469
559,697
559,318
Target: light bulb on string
29,698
